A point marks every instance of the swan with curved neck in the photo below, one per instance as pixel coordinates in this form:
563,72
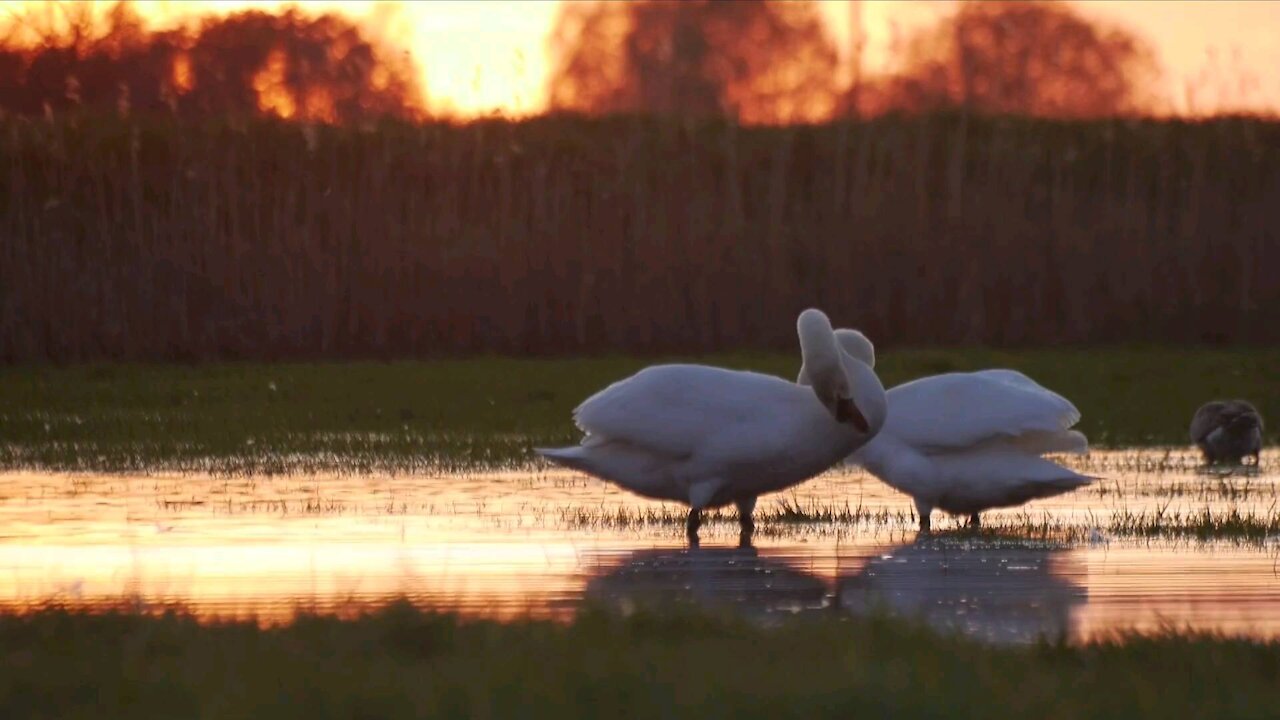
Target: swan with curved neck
968,442
708,436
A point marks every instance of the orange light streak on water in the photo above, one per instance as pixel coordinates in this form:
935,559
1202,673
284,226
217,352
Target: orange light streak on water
539,543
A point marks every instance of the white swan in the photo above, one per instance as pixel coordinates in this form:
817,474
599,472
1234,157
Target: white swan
708,436
968,442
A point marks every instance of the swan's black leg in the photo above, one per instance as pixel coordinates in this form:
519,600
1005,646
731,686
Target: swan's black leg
924,511
746,521
974,522
691,525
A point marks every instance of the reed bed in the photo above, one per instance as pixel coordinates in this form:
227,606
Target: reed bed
769,517
158,238
1256,526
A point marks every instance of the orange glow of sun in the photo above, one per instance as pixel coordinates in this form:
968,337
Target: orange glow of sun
473,58
269,84
481,57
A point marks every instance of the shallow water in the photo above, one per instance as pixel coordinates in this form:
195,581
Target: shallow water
541,542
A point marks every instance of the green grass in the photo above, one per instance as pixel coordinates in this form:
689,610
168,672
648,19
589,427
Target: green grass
488,412
400,662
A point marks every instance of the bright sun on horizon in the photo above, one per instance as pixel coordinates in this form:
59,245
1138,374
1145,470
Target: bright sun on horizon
478,58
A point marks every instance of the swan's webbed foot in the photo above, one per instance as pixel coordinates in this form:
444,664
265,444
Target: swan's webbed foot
691,526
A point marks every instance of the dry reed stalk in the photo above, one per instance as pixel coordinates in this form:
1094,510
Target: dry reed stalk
137,238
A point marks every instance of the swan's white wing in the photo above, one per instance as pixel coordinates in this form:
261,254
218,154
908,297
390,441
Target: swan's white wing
674,409
993,476
960,410
1013,377
1058,441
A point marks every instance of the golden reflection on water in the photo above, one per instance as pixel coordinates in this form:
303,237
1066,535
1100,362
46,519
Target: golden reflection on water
538,543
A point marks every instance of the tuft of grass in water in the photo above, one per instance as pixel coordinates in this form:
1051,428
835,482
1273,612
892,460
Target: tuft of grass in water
1230,524
776,518
792,510
488,413
1202,524
784,515
1157,460
399,661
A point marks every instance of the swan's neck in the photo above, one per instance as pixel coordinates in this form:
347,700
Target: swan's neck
890,459
877,455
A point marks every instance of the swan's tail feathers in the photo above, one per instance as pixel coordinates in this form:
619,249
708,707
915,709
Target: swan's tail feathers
573,456
1068,481
1044,487
1073,481
1071,442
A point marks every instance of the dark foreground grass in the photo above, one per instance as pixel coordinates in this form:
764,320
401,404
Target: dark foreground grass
403,663
488,412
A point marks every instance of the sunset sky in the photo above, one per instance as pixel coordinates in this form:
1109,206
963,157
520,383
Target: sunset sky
482,57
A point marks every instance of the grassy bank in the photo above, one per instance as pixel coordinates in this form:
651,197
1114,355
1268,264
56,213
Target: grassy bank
155,239
488,412
403,663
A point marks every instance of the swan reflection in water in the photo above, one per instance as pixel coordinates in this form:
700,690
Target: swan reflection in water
736,579
1002,590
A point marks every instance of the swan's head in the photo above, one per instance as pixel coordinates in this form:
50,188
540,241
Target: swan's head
1245,421
870,396
1242,420
868,392
1230,415
852,342
857,345
846,386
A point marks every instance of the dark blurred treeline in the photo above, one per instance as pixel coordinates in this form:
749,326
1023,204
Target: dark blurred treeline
764,61
775,62
63,56
125,238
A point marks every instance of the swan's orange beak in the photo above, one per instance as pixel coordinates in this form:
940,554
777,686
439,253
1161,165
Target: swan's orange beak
846,411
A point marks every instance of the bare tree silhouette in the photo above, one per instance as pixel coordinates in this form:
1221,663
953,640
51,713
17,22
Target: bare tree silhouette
1030,58
759,61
